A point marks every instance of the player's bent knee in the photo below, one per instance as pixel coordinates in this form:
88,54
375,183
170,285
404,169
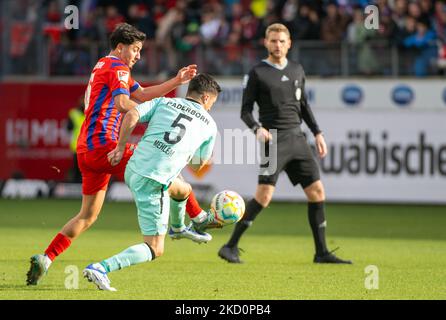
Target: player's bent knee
180,190
264,194
184,191
315,192
316,196
264,200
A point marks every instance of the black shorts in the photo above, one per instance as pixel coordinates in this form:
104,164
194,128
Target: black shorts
294,156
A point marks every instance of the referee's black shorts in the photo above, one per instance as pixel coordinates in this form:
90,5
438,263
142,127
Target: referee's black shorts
294,156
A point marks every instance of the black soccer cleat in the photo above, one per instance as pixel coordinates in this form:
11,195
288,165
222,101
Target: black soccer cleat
330,257
230,254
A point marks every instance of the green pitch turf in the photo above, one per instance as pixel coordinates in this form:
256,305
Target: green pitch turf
406,243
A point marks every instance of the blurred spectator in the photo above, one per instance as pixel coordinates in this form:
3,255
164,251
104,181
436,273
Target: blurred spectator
231,62
259,8
185,37
440,20
289,11
383,8
414,10
387,28
112,18
333,25
407,30
308,24
23,16
427,11
213,33
139,17
424,42
249,25
163,36
53,26
399,14
75,119
360,36
333,28
213,28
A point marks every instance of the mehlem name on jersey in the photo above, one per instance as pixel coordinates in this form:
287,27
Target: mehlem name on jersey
163,147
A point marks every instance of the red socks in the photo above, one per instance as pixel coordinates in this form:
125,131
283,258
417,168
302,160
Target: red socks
59,244
193,209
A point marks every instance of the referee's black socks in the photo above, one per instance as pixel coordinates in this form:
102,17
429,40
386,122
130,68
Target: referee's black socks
253,208
316,217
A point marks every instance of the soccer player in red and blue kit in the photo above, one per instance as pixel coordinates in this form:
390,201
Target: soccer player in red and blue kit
109,95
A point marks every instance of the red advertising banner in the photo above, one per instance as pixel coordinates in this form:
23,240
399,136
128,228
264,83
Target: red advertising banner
34,140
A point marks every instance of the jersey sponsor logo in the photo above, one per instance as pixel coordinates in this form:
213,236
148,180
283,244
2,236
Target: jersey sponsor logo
284,78
123,76
402,95
352,95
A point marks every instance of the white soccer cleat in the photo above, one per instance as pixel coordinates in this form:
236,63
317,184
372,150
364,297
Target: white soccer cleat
38,269
95,273
191,234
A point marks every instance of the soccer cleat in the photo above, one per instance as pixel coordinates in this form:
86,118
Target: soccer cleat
39,268
230,254
208,223
329,257
93,273
190,233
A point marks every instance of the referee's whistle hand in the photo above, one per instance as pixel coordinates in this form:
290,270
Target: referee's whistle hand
321,145
263,135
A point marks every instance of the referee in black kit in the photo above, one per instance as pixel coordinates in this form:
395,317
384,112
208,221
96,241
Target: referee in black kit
278,87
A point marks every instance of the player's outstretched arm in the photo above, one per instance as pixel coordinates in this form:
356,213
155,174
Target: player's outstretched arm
183,76
123,103
128,124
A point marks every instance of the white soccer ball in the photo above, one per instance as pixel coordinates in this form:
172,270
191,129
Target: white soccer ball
228,207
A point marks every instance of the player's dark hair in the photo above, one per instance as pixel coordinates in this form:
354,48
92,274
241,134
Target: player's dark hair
125,34
202,83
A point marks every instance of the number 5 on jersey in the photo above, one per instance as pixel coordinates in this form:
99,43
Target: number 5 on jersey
177,124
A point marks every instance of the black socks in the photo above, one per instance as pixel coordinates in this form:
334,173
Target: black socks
253,208
316,217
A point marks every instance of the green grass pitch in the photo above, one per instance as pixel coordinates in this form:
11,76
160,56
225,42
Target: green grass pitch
406,243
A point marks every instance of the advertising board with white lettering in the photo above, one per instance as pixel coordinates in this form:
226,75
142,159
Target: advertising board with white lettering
386,142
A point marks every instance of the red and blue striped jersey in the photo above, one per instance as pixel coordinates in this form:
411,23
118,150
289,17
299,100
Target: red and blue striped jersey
109,78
